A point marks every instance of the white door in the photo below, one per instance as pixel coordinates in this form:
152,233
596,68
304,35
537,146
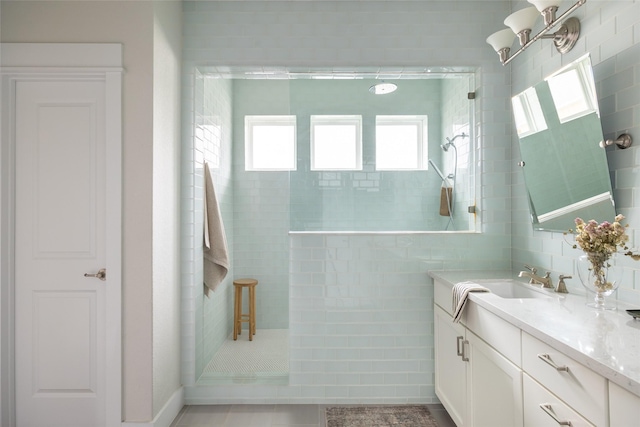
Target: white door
61,220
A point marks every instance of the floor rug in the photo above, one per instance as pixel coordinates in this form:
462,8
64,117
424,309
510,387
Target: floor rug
379,416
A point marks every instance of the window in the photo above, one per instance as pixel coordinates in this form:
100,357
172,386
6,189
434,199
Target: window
270,143
336,142
528,113
401,142
573,93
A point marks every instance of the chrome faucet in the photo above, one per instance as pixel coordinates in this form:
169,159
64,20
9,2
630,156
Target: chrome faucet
537,280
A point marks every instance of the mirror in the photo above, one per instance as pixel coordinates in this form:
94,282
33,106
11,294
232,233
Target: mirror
565,169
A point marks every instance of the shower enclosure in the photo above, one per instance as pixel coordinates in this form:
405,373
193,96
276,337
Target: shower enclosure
262,209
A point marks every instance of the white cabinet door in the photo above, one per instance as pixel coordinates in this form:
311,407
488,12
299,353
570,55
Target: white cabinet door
450,375
624,407
494,387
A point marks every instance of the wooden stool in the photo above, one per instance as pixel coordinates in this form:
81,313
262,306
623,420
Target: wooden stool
238,316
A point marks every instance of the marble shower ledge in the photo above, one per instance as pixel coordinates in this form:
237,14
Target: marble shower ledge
607,342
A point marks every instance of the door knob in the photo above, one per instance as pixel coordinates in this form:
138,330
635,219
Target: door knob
101,274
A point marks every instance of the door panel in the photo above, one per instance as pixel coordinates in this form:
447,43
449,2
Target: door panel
60,236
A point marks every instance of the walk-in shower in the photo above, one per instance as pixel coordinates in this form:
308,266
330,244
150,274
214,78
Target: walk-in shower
262,209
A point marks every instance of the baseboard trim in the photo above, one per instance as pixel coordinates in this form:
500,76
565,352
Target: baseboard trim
167,414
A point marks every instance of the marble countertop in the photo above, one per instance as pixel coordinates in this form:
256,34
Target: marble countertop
608,342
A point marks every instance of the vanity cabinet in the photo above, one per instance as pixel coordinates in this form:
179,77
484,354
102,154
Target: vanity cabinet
475,383
624,407
578,386
513,377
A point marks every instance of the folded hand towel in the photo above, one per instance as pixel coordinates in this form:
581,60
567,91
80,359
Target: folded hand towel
460,293
216,258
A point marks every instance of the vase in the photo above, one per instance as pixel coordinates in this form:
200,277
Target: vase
600,276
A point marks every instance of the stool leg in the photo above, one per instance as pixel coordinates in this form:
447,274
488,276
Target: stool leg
239,310
236,312
252,301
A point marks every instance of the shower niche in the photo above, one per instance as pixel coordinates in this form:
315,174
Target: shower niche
261,206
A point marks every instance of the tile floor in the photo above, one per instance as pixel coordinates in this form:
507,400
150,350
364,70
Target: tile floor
269,416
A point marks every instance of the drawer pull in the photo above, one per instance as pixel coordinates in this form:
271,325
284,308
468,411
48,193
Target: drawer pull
465,358
547,359
546,407
459,349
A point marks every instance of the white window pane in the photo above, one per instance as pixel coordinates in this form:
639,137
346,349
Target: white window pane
401,142
528,113
270,142
336,143
273,147
569,95
335,146
396,147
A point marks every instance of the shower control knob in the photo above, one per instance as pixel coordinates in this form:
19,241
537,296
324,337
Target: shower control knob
521,163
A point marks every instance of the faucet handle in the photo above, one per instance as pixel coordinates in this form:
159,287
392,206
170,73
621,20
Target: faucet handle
562,288
531,269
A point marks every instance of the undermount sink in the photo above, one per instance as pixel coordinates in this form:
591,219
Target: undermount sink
513,289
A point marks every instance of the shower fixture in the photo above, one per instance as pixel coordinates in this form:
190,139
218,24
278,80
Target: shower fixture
383,88
438,171
521,22
449,143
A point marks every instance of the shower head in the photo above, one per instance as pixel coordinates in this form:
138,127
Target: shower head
449,142
383,88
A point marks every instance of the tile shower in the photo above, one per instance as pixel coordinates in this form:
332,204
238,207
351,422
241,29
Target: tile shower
340,354
358,306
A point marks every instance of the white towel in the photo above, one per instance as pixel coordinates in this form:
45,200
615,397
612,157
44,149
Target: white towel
460,294
216,258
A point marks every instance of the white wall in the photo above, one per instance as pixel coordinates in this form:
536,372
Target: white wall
135,24
167,48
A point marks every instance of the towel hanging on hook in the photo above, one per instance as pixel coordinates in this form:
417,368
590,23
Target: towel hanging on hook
446,199
216,258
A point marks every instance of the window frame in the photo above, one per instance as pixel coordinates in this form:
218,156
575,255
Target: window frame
250,121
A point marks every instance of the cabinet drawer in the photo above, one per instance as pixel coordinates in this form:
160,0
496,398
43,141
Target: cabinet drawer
581,388
541,406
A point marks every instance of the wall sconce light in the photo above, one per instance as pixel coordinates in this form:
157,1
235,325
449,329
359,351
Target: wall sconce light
521,22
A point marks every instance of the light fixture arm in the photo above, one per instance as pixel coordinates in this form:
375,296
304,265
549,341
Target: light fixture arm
566,35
